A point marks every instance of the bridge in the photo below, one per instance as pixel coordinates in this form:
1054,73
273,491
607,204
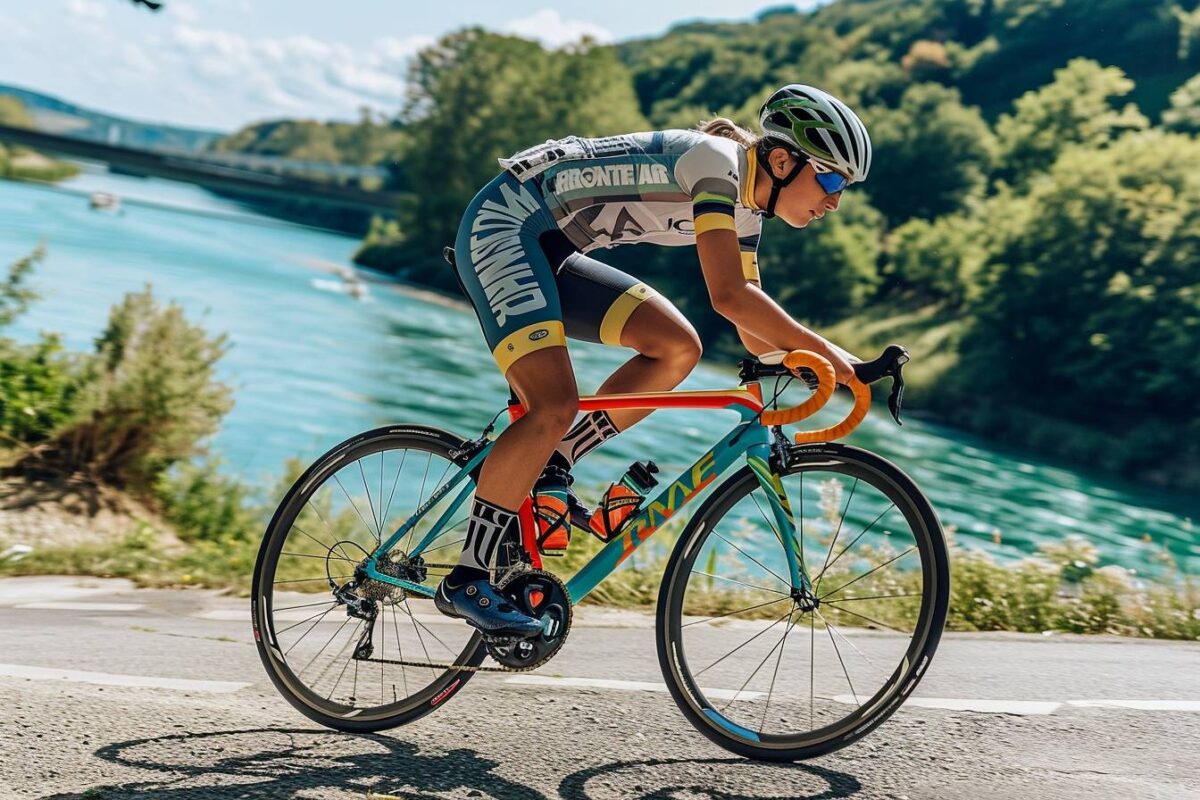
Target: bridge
256,175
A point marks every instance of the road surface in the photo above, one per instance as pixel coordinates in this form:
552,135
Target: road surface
110,692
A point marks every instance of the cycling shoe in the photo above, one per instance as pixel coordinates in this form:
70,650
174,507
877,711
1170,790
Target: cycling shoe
478,602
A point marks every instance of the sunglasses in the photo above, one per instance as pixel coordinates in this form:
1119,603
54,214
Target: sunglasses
832,182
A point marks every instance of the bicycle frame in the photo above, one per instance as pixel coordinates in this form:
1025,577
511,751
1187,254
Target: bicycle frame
749,438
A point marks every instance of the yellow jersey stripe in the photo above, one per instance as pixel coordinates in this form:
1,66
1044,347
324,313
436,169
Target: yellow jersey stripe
750,266
714,222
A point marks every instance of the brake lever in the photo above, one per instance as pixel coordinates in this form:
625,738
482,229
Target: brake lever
889,365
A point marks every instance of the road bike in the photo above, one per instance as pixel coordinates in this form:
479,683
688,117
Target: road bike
799,606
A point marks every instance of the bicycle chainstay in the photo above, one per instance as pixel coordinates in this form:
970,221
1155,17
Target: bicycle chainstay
517,570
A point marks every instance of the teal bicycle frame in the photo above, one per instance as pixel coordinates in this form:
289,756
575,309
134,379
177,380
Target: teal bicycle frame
749,438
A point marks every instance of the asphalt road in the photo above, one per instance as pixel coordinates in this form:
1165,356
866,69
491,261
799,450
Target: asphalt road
108,692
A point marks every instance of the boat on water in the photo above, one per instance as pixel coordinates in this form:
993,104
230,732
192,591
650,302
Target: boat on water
104,201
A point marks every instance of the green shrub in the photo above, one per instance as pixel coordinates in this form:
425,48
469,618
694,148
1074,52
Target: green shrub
38,389
147,398
205,506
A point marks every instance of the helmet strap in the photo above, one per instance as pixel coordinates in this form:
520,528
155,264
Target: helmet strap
778,184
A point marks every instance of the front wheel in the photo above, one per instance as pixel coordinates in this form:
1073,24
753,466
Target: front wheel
771,673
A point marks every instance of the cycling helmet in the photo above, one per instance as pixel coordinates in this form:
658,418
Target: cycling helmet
818,126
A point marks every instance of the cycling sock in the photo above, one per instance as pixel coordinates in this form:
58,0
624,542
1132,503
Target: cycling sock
489,526
586,435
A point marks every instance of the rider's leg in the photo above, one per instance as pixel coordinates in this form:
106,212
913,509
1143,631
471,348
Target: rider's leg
603,304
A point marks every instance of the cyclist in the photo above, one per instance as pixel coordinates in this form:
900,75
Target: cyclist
522,256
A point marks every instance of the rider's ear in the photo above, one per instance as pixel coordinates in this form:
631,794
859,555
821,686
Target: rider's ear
781,162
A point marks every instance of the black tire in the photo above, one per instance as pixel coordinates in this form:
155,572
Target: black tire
891,482
331,714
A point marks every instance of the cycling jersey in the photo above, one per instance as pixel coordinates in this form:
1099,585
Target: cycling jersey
660,187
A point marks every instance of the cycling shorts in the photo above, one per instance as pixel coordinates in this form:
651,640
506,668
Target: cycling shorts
530,286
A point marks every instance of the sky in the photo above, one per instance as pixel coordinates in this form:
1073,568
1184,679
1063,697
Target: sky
220,64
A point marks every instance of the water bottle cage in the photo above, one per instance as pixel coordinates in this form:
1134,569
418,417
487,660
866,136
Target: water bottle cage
608,505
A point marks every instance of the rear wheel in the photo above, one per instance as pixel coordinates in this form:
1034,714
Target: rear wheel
349,652
772,673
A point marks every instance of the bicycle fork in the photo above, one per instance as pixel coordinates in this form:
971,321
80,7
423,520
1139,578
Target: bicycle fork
758,458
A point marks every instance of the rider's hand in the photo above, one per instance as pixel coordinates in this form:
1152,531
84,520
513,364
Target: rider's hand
843,371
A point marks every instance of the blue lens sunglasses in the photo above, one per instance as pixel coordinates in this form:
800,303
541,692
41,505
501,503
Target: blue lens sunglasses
832,182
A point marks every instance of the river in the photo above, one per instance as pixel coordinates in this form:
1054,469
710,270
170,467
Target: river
311,366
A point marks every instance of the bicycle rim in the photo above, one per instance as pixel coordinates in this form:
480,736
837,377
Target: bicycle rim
753,665
335,515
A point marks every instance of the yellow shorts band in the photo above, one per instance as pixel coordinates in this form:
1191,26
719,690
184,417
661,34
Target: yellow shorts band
621,309
750,266
524,341
714,221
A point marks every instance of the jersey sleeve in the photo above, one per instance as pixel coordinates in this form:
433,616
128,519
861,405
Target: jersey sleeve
748,246
708,172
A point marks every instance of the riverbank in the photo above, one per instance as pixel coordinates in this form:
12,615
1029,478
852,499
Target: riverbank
1061,589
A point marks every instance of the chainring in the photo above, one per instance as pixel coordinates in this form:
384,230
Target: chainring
541,595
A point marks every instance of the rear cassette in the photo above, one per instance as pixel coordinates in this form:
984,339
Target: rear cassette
542,596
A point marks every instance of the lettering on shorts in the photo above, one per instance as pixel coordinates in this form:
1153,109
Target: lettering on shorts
499,257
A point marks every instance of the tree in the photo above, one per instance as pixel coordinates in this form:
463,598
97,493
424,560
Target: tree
475,97
1076,108
828,271
1184,113
931,154
1092,304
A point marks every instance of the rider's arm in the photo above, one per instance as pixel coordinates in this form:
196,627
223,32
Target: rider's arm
748,251
745,304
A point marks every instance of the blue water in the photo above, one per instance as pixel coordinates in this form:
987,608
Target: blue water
311,366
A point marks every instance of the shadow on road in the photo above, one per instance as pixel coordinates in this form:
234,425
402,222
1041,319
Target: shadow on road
270,763
707,779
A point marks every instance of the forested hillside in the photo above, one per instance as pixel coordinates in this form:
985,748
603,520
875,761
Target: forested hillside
1031,225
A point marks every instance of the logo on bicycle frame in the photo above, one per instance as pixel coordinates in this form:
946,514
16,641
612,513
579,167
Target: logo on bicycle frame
702,474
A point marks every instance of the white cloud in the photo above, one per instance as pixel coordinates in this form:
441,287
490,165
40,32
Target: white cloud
296,74
185,12
87,10
548,27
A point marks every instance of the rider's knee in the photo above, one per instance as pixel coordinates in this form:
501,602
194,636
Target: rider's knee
555,408
681,348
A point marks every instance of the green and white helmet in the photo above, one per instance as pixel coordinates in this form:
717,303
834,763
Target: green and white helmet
820,127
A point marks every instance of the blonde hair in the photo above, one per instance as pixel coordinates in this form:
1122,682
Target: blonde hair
722,126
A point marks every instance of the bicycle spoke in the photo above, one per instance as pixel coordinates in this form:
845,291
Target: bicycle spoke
370,503
752,558
865,574
309,580
395,481
732,613
836,533
304,605
874,597
771,652
301,622
444,546
839,656
740,583
336,542
413,619
307,632
425,628
322,650
743,644
834,604
334,661
400,649
311,555
812,666
354,504
421,492
865,657
775,675
855,541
